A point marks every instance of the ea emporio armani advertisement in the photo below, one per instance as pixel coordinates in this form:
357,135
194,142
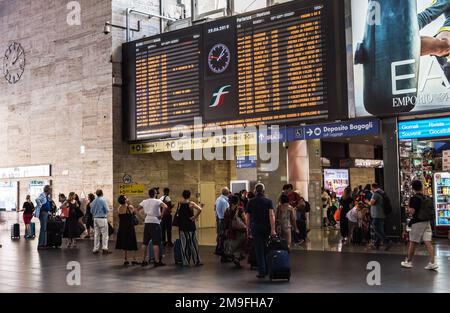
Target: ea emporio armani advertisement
401,56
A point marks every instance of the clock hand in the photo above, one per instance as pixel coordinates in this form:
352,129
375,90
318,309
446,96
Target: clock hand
221,55
17,58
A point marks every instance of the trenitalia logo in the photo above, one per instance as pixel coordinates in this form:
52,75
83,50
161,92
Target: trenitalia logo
219,96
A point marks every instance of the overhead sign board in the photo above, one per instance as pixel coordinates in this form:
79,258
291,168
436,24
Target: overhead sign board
25,172
351,128
430,128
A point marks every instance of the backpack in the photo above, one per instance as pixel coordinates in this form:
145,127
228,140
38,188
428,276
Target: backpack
426,212
387,204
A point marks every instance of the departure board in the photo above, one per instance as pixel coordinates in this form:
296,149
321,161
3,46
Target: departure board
275,66
167,82
282,63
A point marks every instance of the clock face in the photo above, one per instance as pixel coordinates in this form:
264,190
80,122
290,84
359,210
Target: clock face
14,63
219,58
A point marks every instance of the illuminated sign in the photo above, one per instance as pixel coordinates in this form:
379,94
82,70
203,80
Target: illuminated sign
430,128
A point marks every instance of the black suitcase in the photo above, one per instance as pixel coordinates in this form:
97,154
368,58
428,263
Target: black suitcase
279,265
15,231
55,229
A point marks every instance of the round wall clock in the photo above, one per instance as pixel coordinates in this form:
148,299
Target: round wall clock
14,63
219,58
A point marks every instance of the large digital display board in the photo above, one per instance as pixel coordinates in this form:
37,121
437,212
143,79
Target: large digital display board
270,66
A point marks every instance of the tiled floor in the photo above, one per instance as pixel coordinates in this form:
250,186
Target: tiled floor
23,269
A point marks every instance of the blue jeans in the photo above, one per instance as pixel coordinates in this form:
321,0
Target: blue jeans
378,228
261,234
43,218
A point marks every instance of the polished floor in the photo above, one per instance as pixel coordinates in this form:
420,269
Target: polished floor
24,269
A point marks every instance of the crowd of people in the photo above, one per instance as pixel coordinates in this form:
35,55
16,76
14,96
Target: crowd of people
360,214
245,222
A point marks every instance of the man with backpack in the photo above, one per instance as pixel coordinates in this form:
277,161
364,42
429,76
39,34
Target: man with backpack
166,221
380,207
422,209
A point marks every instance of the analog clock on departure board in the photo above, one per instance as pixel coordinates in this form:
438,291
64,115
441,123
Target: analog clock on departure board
219,58
14,63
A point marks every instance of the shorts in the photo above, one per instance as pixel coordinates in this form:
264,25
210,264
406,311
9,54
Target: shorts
27,219
152,232
421,232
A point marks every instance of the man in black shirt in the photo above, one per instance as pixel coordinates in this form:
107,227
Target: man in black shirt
260,216
420,226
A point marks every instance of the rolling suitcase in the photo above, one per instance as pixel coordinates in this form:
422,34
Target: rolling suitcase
15,231
279,266
32,230
178,257
55,229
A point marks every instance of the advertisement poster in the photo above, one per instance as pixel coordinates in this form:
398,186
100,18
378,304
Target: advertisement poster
400,51
336,181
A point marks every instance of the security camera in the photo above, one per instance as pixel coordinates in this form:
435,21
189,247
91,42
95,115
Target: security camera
107,28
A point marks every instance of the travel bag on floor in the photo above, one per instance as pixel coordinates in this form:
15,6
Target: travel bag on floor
279,265
32,230
55,230
15,231
178,257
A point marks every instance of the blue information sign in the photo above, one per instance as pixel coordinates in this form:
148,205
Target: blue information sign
338,130
430,128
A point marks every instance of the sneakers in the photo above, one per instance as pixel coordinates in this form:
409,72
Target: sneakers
106,252
95,252
407,264
432,266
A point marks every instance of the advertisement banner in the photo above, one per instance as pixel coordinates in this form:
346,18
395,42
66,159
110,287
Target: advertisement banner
400,54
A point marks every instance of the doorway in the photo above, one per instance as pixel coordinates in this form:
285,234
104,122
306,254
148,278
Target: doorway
207,201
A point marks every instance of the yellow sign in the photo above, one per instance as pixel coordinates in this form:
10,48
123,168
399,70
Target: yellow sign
234,140
132,190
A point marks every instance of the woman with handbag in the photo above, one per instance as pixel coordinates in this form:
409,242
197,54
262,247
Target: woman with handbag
188,231
237,232
126,235
72,229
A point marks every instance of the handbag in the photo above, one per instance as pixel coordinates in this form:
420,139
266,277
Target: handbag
65,212
111,229
176,218
337,215
134,218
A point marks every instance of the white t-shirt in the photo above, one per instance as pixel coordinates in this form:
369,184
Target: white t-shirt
352,215
152,209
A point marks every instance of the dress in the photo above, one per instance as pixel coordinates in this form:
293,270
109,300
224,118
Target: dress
88,217
126,235
72,227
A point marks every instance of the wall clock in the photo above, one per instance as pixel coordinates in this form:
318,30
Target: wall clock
14,63
219,58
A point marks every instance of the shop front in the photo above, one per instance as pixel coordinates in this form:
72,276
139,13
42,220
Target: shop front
424,151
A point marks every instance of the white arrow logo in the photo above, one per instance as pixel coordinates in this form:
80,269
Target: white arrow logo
310,132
